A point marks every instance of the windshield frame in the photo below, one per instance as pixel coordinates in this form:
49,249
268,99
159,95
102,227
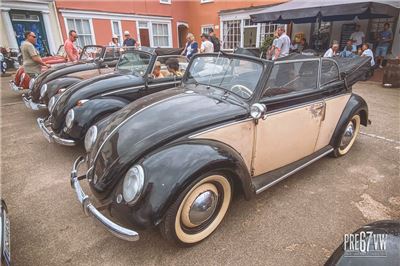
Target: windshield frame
149,67
265,64
103,50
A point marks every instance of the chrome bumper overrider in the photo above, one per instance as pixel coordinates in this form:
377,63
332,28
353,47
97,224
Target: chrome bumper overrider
14,87
90,210
31,105
50,136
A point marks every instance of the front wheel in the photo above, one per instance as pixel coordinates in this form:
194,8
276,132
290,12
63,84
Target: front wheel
198,210
348,137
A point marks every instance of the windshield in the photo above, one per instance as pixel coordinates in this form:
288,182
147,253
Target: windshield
90,53
239,76
134,61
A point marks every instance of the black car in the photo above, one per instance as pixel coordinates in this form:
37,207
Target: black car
4,235
94,60
76,109
174,159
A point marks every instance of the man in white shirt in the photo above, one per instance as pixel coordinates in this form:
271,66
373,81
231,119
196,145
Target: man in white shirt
283,44
206,45
357,37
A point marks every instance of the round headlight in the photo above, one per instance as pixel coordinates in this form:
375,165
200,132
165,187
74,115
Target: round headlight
90,138
133,184
257,110
31,82
43,90
51,104
69,119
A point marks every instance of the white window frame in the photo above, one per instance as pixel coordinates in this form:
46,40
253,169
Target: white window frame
165,2
150,28
120,36
80,18
206,26
168,34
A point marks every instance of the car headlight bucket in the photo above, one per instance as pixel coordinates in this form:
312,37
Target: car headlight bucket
51,104
31,82
43,90
133,184
69,119
90,138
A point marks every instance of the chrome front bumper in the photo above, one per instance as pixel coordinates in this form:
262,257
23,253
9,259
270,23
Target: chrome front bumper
31,105
90,210
14,86
50,136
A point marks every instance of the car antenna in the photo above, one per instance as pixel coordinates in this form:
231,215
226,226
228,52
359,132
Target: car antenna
219,54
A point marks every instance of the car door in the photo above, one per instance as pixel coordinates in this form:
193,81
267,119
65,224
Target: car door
295,107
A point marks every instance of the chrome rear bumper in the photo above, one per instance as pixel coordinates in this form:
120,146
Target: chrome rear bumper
14,87
50,136
32,105
90,210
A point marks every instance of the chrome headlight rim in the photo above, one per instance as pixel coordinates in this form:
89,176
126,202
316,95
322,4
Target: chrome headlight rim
69,119
51,104
133,184
43,90
31,82
90,138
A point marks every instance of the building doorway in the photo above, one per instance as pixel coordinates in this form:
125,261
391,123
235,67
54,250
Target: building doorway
30,21
183,30
144,37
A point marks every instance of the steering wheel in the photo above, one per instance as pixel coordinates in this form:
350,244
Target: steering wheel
241,90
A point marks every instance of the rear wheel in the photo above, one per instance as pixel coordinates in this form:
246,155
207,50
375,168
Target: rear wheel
198,210
348,137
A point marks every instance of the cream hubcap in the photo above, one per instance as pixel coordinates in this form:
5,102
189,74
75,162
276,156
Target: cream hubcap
349,135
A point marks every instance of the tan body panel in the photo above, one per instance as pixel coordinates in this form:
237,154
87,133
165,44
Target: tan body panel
333,110
91,73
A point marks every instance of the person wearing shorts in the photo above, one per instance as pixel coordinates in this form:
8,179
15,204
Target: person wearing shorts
384,39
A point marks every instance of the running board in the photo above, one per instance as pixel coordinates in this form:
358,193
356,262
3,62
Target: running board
267,180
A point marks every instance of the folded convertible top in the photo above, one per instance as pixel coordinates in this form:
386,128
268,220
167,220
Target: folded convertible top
353,69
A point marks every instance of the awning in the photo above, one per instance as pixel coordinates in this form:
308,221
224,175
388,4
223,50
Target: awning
305,11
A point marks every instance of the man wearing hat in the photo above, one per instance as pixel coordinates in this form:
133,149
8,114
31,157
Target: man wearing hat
114,41
129,41
206,45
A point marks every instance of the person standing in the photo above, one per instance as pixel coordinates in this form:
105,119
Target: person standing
114,41
215,41
32,61
191,47
283,44
206,45
333,51
271,49
357,37
70,48
384,39
129,41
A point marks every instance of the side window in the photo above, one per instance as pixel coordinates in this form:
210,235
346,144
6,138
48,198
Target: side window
169,66
329,72
292,78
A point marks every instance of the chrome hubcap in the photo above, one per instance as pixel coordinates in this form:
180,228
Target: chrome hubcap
203,207
348,135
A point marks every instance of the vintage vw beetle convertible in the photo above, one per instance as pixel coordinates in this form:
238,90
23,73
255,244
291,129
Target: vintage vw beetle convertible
87,102
94,60
173,159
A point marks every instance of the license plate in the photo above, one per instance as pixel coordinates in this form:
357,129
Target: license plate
7,238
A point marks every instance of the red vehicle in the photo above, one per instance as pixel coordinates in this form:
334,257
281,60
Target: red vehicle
21,80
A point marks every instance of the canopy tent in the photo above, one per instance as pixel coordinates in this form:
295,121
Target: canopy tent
306,11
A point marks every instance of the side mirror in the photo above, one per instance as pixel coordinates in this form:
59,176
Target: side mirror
258,110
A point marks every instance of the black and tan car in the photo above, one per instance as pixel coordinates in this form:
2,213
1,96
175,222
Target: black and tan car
174,159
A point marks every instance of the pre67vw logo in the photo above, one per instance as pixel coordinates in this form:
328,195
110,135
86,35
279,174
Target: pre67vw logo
365,243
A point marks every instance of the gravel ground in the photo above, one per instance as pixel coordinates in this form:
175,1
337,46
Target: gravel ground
300,221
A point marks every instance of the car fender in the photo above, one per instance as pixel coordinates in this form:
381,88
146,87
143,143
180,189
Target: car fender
168,171
356,104
54,85
92,111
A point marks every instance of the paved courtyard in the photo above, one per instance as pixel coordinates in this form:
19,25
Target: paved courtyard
298,222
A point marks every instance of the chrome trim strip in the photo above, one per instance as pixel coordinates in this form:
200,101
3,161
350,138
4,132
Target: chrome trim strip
163,84
14,86
293,171
219,127
296,60
90,210
32,105
123,122
126,89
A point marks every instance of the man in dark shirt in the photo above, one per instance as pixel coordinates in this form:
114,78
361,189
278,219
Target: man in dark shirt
129,41
215,41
